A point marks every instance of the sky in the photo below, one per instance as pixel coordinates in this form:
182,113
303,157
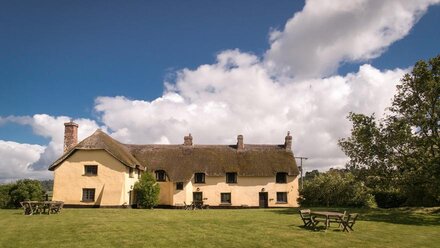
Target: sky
153,71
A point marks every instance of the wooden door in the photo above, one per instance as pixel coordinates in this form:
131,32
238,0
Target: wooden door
197,196
264,200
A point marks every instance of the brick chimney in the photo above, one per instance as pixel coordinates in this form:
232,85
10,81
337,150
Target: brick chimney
288,142
188,140
240,144
70,135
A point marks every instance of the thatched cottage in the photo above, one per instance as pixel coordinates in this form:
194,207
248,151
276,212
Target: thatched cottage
100,171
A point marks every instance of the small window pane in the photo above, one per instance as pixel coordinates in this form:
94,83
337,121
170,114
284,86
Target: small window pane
281,177
179,186
231,177
131,172
91,170
88,195
225,198
160,176
282,197
199,178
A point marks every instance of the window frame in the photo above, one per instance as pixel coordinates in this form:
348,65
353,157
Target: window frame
87,193
93,172
203,175
179,185
227,195
278,176
282,197
234,174
159,178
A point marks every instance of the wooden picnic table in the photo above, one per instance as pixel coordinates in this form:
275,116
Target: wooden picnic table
329,217
41,207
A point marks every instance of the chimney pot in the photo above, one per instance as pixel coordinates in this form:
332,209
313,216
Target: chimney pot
188,140
288,142
240,144
70,135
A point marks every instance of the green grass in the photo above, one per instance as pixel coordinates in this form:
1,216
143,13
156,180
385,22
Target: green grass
214,228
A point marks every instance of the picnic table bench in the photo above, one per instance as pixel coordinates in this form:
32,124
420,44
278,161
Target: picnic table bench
312,218
41,207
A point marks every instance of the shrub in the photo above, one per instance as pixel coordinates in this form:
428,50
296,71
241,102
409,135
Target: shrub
5,198
25,189
335,189
389,199
147,191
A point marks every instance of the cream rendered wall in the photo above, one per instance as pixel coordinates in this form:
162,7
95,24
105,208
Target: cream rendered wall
111,184
182,196
128,185
244,192
166,191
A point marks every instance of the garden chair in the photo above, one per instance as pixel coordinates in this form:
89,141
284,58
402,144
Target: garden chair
349,222
339,220
188,207
27,208
307,218
55,208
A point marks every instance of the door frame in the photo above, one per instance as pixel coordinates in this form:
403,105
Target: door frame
263,197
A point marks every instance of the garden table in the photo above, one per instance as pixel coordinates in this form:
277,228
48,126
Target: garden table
329,216
40,207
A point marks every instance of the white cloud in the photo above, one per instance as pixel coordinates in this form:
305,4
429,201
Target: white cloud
218,101
25,160
327,33
16,159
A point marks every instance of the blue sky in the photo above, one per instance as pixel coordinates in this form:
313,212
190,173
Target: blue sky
58,57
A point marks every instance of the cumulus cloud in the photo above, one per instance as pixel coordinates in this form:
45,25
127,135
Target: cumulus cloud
237,95
16,159
327,33
25,160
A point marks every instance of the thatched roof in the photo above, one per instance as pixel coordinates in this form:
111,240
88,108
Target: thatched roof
180,162
101,141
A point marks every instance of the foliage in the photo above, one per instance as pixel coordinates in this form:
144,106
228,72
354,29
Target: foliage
26,189
147,191
400,153
5,198
47,185
335,189
389,199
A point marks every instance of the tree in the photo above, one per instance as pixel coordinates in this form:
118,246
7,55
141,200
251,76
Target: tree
5,198
400,153
147,191
25,189
335,188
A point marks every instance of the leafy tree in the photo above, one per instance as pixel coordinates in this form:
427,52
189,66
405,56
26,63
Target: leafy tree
147,191
335,188
25,189
5,198
47,185
400,153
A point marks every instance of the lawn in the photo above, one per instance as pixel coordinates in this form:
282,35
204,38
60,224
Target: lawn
214,228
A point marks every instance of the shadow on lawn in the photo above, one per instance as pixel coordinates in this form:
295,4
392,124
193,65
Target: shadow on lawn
395,216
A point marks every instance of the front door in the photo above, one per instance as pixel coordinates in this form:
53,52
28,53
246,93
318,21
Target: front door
264,203
197,196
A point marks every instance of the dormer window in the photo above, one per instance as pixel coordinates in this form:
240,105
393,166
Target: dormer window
231,177
199,178
281,177
160,176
